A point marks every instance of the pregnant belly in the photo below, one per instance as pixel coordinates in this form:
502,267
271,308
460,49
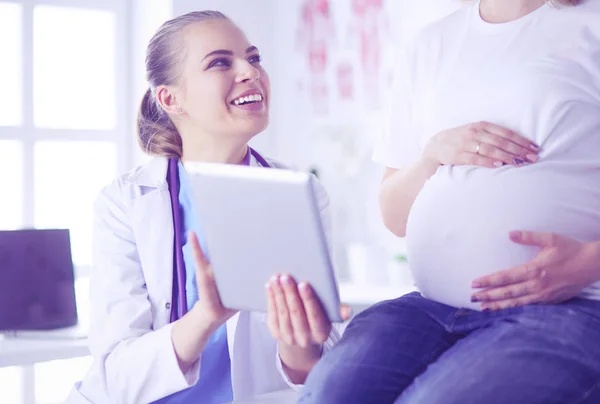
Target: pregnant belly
458,226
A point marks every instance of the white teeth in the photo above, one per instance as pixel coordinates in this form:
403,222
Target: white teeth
248,98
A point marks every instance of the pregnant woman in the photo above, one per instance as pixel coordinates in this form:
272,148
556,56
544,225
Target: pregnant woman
493,176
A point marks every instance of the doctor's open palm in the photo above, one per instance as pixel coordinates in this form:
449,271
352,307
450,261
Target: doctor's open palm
209,303
295,314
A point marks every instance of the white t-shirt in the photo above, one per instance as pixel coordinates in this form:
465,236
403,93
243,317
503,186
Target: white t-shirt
538,75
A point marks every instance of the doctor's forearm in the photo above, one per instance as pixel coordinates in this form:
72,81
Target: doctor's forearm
298,362
189,336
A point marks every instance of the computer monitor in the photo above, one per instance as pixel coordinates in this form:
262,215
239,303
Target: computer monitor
37,289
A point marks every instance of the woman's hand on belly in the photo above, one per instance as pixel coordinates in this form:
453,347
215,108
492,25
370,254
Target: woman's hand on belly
481,144
561,270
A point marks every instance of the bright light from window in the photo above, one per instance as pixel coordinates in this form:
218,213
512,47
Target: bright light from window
11,108
12,385
11,184
51,389
68,178
74,68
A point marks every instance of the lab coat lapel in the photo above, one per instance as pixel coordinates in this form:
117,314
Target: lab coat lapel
153,226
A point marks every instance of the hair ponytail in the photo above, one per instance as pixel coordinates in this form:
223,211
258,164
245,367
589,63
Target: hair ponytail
157,135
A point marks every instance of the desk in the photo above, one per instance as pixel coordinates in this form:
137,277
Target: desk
17,351
26,352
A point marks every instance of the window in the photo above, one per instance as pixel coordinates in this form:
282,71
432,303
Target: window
65,124
11,112
74,75
11,183
64,116
67,177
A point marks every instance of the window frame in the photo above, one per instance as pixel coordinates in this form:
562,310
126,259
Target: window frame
27,134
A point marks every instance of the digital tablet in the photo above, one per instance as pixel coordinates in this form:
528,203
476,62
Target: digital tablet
258,222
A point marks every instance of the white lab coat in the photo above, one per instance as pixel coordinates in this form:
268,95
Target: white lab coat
131,288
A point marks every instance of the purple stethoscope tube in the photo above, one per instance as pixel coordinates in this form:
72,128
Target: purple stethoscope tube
179,303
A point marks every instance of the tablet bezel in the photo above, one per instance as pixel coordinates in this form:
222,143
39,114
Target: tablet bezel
231,189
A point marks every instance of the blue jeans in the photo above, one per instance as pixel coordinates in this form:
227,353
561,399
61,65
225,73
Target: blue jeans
413,350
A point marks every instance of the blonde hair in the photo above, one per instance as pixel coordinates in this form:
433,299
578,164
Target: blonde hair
157,134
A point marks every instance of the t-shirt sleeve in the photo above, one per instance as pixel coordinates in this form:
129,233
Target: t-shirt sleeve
398,144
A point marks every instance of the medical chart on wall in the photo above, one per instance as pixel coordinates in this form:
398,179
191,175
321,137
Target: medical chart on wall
316,35
346,47
370,26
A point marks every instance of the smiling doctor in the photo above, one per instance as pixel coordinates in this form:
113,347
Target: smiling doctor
159,332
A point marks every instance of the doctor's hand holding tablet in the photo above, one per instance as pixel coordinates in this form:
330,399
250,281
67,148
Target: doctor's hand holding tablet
295,315
268,253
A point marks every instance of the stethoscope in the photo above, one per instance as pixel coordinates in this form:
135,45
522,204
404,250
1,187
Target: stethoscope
179,303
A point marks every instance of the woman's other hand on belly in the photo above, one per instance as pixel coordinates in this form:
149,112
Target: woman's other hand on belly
480,144
561,270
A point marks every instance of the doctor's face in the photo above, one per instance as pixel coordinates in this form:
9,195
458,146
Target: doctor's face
224,89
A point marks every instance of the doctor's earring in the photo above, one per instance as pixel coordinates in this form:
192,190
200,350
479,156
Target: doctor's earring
179,110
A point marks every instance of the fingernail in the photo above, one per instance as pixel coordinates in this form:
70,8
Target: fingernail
303,286
303,290
275,279
475,284
498,163
268,285
518,161
474,299
534,147
285,279
532,157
